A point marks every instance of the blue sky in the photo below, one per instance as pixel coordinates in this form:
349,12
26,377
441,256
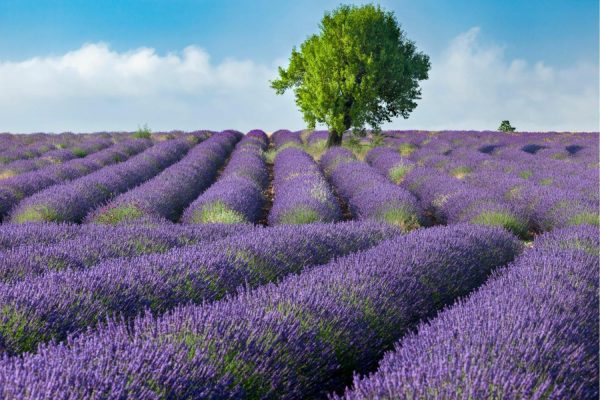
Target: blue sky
548,48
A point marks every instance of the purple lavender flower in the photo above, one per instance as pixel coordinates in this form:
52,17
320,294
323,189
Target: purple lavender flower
90,245
54,157
284,136
13,235
369,194
389,163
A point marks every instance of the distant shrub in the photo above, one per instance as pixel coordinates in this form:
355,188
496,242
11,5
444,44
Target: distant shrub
143,132
505,126
353,141
377,139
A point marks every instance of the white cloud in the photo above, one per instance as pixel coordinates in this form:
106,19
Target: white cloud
475,87
96,88
471,86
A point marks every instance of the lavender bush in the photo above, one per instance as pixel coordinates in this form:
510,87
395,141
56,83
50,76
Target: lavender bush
450,200
92,245
54,157
13,235
285,137
389,163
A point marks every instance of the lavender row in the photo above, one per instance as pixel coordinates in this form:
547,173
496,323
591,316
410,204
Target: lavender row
37,143
494,198
449,199
300,338
97,243
44,234
368,193
546,207
516,164
551,193
25,165
71,201
238,194
71,301
302,195
166,195
316,138
23,151
54,157
14,235
530,332
283,137
544,144
389,163
14,189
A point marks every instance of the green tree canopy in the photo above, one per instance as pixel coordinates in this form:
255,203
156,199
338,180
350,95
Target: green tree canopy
505,126
359,69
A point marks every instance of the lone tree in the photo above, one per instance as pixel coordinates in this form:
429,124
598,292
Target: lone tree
505,126
360,69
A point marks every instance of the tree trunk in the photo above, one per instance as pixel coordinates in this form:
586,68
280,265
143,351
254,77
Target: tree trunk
334,139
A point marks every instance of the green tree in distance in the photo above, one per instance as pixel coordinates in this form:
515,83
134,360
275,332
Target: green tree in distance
359,69
505,126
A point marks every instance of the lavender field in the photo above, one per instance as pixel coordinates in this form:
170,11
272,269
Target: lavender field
247,265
